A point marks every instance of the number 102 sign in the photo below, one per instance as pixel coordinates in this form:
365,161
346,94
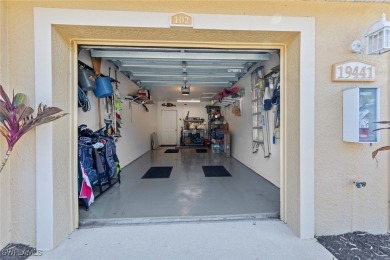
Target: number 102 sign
353,71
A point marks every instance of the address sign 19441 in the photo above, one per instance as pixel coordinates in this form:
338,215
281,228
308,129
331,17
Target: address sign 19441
353,71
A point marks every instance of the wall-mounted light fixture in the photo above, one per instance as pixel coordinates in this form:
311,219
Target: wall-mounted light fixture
376,39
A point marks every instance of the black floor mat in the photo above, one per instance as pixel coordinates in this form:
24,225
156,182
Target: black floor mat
201,150
157,172
171,151
215,171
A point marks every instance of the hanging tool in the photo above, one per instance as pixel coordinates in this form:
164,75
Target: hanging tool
267,153
96,64
146,108
114,104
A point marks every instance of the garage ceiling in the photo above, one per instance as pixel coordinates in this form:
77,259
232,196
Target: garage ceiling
165,70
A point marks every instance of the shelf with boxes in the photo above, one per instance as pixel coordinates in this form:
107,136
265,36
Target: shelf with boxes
221,142
141,98
193,133
218,131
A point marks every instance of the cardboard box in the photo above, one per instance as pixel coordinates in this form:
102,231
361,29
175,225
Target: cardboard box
144,92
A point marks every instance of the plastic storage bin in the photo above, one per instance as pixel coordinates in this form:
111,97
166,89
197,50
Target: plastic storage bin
216,148
103,87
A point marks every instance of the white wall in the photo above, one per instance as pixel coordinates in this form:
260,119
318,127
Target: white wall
196,110
137,125
241,130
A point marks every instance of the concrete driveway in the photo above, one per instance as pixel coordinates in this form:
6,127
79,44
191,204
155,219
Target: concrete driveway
268,239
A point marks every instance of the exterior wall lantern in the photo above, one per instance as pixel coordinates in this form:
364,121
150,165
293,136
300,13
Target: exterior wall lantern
376,39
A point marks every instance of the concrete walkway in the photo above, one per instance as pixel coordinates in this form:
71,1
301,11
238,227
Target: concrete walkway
268,239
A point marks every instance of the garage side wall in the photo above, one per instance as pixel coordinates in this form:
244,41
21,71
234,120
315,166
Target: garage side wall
137,124
241,129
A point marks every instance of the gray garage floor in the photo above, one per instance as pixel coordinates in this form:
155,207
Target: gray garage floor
187,192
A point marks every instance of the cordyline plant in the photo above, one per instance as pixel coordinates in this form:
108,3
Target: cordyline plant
384,148
17,119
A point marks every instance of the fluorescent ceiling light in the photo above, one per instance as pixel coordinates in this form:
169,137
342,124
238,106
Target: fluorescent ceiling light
188,100
208,95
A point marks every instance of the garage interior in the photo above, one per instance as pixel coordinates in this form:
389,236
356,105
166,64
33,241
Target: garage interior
196,108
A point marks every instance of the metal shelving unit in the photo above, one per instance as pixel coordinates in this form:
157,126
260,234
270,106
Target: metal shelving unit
193,136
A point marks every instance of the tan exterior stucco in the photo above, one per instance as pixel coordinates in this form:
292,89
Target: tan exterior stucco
291,101
338,207
5,183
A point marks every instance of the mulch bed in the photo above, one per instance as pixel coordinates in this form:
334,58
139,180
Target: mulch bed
357,245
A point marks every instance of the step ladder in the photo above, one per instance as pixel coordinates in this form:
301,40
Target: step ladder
260,122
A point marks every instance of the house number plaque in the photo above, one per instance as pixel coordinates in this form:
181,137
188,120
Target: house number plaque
181,20
353,71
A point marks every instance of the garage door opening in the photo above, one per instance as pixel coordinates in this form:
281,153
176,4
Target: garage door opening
57,32
211,122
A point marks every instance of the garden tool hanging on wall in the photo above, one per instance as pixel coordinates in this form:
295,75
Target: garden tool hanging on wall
117,99
110,109
267,106
96,64
275,100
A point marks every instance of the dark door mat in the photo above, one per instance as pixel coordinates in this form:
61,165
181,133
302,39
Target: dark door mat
191,147
171,151
357,245
201,150
215,171
157,172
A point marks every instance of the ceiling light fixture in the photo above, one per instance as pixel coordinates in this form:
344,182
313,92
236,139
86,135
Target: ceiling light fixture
188,101
184,89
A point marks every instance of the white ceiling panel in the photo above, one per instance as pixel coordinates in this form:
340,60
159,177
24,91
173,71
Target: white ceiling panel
165,70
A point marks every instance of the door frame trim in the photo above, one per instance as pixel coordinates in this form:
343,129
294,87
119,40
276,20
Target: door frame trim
45,18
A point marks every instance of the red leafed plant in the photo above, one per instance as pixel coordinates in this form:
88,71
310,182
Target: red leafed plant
384,148
17,119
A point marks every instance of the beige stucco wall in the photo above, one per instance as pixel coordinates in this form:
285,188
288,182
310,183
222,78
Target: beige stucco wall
291,135
21,78
339,207
5,181
63,173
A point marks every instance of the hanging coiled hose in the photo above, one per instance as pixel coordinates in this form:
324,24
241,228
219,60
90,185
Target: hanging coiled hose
84,102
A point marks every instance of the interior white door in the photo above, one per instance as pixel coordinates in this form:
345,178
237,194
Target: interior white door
169,127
